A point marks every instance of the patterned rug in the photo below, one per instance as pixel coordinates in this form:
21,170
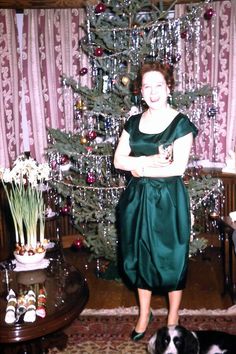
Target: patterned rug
107,331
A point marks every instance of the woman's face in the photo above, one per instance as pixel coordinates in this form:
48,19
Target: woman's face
155,90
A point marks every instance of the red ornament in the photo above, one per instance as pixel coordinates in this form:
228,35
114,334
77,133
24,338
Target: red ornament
186,179
208,14
183,34
98,52
136,91
91,135
91,178
65,209
64,159
100,8
78,243
83,71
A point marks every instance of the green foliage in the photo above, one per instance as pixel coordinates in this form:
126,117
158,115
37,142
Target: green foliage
205,194
128,33
203,190
95,217
65,143
70,144
197,245
180,99
103,242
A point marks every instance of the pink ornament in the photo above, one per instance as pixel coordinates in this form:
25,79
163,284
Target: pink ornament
100,8
98,52
83,71
91,178
53,164
208,14
91,135
89,148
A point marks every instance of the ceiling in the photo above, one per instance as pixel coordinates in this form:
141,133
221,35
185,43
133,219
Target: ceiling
50,4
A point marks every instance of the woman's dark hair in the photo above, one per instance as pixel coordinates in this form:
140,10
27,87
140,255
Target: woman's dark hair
165,69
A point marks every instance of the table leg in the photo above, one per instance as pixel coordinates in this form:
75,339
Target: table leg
33,347
226,230
230,264
227,260
233,271
57,339
224,259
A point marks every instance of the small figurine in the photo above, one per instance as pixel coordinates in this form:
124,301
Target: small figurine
41,306
30,314
10,316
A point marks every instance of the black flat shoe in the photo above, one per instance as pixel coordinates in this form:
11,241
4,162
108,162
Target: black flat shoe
136,336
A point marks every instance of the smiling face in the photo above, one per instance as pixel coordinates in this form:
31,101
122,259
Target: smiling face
155,90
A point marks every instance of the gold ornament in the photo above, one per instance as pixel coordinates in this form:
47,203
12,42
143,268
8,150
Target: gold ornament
125,80
135,25
79,104
214,215
123,109
83,140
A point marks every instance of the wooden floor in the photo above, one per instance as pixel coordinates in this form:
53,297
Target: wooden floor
204,286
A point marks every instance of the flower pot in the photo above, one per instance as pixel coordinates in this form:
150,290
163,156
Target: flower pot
26,259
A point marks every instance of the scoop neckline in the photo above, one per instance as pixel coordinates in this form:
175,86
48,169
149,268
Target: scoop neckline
162,130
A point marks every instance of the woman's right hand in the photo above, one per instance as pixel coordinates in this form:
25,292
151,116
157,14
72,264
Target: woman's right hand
153,161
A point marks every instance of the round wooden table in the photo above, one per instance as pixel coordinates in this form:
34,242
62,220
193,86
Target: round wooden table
67,293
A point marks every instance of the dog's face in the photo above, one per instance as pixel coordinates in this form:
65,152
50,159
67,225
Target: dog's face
173,340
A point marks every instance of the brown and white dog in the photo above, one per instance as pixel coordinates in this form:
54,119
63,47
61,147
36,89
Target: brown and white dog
179,340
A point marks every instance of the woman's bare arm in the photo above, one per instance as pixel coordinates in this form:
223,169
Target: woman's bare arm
181,152
123,160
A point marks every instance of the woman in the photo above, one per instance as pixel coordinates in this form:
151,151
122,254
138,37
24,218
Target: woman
154,215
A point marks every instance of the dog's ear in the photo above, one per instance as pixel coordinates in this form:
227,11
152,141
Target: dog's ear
161,337
191,345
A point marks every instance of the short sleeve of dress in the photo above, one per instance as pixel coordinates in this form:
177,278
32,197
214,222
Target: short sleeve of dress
184,127
127,125
131,123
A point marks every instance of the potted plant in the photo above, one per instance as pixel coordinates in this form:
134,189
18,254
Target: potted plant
24,189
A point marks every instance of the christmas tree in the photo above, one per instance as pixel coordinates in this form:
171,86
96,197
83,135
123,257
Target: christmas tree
119,36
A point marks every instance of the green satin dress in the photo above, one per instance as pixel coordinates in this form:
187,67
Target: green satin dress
154,216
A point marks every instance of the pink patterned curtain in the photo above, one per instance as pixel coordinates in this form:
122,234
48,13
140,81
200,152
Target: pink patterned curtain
50,49
231,121
208,61
10,100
